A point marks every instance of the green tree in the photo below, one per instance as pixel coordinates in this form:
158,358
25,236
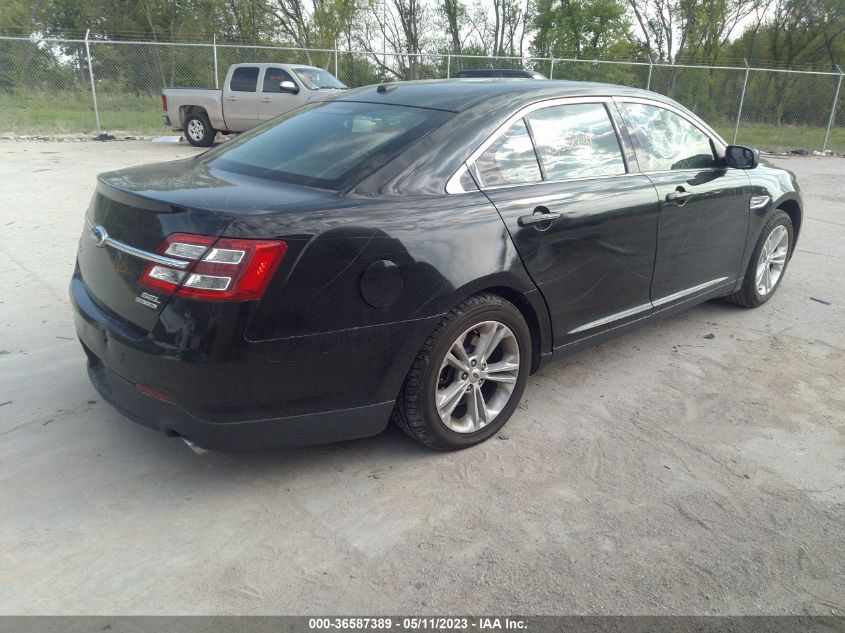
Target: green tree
580,28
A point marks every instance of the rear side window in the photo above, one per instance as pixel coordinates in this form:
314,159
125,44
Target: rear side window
328,145
273,77
244,79
668,140
576,141
510,160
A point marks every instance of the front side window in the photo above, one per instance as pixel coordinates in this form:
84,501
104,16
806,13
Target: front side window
318,79
273,77
244,79
668,140
328,144
576,141
510,160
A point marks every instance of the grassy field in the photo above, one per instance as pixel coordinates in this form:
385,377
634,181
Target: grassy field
783,138
66,113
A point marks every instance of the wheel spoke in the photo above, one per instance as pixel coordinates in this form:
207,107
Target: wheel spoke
457,357
761,272
488,338
768,279
449,398
477,409
503,371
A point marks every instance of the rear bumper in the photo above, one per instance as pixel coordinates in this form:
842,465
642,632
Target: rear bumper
252,395
235,437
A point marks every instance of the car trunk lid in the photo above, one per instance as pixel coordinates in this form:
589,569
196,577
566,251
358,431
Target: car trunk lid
133,211
123,234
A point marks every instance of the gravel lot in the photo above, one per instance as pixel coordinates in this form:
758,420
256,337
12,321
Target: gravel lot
668,471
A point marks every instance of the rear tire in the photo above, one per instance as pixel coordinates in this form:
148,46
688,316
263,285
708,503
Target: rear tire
198,130
768,262
469,376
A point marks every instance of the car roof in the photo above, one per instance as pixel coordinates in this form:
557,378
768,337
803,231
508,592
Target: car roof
457,95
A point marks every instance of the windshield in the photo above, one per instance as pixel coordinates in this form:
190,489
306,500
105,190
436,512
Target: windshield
318,79
329,145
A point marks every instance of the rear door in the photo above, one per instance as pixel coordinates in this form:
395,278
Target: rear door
704,206
274,101
583,221
240,99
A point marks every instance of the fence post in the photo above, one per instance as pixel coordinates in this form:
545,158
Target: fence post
741,99
336,68
91,75
449,66
833,109
552,67
214,47
650,66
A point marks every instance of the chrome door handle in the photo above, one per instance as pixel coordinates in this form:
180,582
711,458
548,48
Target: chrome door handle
231,98
541,215
265,100
679,196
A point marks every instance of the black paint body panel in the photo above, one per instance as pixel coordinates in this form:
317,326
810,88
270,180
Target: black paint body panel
370,271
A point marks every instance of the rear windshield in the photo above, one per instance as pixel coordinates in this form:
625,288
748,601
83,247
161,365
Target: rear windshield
330,145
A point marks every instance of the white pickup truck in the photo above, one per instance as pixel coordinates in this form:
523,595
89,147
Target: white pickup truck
253,93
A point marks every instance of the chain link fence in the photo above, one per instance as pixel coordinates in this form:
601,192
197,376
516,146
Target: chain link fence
50,86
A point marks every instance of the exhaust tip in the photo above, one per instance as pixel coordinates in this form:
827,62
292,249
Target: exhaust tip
197,449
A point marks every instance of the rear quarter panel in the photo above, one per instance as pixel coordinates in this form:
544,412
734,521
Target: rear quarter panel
446,248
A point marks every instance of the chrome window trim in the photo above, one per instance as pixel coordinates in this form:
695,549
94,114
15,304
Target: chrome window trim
181,264
519,114
453,186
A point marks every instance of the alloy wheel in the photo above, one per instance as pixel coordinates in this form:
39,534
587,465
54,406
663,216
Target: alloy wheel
772,260
477,377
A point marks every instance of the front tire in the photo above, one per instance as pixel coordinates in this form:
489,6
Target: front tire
768,262
469,377
198,130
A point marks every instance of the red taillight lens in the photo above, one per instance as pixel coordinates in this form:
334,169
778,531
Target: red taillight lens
224,269
164,102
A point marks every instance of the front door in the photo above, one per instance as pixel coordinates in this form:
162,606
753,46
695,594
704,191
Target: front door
704,206
584,226
275,101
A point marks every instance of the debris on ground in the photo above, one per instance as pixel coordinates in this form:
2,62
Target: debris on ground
710,336
822,301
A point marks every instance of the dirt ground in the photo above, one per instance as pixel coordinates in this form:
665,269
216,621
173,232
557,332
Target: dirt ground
667,471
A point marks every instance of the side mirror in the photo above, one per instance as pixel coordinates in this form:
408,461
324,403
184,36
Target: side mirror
740,157
288,86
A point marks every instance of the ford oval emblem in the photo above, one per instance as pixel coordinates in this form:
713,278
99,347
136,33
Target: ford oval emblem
99,235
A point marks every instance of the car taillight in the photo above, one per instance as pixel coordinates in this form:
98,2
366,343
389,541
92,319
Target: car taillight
164,102
224,269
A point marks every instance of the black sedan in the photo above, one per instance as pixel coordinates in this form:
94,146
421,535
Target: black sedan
412,251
